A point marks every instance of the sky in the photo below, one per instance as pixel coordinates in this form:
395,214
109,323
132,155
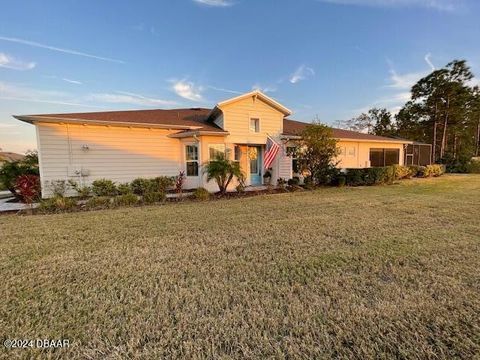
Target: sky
324,59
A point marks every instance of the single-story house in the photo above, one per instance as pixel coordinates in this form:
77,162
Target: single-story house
124,145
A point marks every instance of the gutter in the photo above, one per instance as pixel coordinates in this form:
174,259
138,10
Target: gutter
185,134
393,141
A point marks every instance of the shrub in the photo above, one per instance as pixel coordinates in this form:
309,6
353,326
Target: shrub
83,191
201,194
127,199
370,176
474,166
104,187
180,182
164,182
355,177
28,186
293,181
57,204
402,172
58,187
414,170
240,187
341,180
99,202
124,189
432,170
308,183
10,171
141,186
281,183
223,171
153,197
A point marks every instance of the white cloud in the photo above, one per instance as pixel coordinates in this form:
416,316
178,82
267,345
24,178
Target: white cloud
301,73
76,82
429,61
123,97
215,3
188,90
264,89
58,49
443,5
224,90
10,62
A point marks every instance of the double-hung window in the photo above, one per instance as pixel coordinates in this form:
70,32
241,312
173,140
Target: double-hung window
292,151
216,150
191,160
255,125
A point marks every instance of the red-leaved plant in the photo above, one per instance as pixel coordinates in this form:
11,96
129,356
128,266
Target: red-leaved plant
179,182
28,187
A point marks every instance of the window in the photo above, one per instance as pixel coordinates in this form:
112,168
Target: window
384,157
237,153
216,150
341,150
191,160
255,125
293,153
351,151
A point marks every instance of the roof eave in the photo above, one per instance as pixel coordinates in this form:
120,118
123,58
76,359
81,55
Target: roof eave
185,134
32,119
286,111
392,141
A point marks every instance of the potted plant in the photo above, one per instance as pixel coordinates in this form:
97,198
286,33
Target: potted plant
267,177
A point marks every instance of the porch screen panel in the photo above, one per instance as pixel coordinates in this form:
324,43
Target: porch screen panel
376,157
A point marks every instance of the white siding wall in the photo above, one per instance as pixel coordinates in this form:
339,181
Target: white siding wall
117,153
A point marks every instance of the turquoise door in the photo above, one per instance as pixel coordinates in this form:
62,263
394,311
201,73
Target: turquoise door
255,153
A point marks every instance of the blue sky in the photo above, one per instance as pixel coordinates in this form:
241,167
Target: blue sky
327,58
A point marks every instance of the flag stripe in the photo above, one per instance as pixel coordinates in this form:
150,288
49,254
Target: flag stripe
271,152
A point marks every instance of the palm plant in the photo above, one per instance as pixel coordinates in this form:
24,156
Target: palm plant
223,170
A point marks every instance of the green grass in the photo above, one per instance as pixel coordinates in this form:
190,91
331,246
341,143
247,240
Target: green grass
378,272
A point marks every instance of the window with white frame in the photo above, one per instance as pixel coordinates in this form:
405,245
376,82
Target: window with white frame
292,151
255,125
216,150
191,160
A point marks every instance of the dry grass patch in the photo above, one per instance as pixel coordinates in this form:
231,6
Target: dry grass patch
348,273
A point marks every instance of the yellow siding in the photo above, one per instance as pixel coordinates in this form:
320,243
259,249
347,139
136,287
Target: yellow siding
117,153
361,159
236,120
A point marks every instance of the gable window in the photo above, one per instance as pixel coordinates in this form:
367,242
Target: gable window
191,160
255,125
384,157
216,150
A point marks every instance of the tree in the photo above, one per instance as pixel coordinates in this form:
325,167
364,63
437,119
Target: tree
317,152
223,171
10,171
376,121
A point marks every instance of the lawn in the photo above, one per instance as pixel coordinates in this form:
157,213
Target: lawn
384,272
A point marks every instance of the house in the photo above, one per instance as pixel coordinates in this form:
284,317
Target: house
9,157
123,145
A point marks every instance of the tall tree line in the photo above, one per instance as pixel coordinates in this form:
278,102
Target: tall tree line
444,111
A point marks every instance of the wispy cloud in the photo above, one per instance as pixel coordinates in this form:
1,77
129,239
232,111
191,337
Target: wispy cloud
59,49
9,62
429,61
188,90
76,82
264,89
443,5
301,73
123,97
215,3
224,90
15,92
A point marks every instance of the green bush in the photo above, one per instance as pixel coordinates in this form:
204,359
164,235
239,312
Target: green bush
341,180
57,204
99,202
370,176
294,181
152,197
104,187
141,186
432,170
414,170
281,183
124,189
474,166
125,199
163,183
402,172
83,191
201,194
240,187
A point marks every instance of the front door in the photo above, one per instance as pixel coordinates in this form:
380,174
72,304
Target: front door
255,155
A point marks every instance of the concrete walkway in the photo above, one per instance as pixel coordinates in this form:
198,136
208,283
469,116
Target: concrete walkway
7,207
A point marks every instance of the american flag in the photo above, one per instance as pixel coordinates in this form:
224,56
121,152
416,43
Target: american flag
270,152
